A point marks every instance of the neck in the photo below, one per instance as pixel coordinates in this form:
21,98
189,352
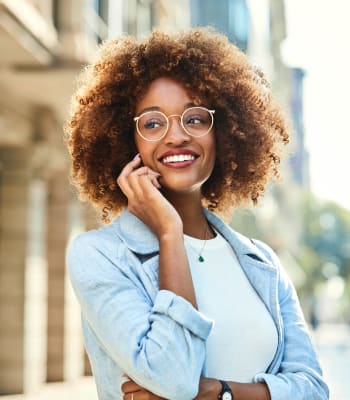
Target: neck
189,207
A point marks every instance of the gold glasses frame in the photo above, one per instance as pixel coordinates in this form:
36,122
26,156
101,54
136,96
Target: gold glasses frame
210,112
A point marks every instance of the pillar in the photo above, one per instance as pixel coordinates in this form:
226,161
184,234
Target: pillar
14,183
57,231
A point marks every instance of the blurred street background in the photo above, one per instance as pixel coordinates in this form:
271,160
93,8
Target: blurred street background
301,45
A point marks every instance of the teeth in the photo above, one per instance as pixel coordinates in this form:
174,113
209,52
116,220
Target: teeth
178,158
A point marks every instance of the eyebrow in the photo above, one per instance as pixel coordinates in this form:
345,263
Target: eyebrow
156,108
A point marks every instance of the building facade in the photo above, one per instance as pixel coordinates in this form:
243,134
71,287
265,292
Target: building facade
43,44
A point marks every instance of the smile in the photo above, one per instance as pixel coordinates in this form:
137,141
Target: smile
178,158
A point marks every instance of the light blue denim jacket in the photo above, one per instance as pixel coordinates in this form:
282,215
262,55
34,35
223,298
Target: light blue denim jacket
157,337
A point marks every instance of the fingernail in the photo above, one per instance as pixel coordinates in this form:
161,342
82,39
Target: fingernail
137,156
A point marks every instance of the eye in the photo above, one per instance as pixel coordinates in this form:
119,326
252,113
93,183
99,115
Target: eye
153,124
194,119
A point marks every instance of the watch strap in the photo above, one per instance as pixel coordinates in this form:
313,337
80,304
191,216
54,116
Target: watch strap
225,388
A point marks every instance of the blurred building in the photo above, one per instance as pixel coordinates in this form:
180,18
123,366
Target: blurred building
300,158
44,43
279,221
231,18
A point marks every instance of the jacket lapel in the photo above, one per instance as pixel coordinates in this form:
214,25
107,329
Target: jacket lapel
135,234
260,271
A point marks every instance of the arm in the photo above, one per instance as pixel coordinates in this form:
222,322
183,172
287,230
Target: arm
151,339
140,185
298,374
209,389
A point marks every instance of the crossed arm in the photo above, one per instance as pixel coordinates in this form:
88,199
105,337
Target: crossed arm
209,389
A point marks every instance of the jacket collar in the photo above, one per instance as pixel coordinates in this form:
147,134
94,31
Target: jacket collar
140,239
254,260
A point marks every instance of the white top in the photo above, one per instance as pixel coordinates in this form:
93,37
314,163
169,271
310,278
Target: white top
244,338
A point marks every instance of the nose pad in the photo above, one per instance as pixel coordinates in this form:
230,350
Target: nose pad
176,132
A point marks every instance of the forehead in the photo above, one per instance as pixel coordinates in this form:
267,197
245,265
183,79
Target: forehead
164,92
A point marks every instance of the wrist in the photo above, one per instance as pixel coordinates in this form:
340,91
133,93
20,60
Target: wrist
171,236
225,392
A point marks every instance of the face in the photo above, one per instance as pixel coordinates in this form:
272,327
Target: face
184,162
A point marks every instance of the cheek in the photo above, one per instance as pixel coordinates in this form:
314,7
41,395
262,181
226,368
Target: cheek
139,143
146,150
212,150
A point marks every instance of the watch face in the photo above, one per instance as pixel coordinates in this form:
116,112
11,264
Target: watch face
227,396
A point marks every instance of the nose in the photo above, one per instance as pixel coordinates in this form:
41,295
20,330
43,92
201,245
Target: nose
176,133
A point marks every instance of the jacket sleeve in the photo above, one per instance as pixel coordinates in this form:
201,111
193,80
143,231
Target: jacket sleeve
160,344
299,375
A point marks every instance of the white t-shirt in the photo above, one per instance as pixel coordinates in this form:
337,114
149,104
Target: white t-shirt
244,337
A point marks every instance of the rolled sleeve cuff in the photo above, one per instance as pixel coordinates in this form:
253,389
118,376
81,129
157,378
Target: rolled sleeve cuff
181,311
277,387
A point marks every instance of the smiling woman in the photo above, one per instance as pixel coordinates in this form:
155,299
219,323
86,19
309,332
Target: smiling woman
207,136
182,151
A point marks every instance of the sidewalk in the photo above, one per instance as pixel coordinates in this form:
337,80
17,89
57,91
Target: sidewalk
333,342
82,389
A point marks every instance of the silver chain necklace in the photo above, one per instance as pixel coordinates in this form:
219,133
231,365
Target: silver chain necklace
200,253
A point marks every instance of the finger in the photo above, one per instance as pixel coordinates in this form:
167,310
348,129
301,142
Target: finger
126,171
135,178
131,396
130,166
147,184
134,183
144,171
130,386
155,182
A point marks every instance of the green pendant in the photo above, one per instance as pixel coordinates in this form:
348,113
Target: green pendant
200,259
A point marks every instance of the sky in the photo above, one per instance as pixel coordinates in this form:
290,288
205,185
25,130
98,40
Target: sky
318,39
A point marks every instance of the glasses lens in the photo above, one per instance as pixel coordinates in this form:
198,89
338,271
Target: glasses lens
197,121
152,125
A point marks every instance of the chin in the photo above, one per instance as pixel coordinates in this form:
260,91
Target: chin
181,186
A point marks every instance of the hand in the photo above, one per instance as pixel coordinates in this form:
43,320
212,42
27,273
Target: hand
140,185
133,391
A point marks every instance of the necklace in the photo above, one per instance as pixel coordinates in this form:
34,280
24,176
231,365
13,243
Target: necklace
200,256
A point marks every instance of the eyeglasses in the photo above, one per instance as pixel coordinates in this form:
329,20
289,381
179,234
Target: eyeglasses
154,125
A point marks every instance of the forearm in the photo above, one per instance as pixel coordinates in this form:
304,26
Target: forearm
210,388
250,391
174,270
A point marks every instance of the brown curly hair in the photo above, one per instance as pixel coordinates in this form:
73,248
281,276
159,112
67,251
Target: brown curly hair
249,126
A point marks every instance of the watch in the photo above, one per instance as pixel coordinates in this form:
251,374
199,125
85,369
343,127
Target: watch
226,392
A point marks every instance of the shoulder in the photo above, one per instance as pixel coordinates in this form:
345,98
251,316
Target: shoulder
285,284
93,252
267,251
102,239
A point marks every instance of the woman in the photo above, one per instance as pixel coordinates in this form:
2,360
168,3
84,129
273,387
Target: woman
175,304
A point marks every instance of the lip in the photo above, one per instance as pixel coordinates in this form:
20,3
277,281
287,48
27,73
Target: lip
178,152
179,164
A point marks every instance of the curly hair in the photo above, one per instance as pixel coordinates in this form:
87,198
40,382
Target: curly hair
249,126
